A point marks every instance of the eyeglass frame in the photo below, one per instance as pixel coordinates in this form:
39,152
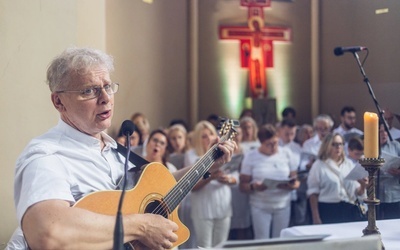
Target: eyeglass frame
157,141
337,144
96,88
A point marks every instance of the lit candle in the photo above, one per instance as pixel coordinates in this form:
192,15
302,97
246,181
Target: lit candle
371,132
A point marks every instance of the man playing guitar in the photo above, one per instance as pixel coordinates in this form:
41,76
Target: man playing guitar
76,158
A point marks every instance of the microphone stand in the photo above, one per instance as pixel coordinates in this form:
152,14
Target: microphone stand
372,166
371,92
119,229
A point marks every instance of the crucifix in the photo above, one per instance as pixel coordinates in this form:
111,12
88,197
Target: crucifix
256,44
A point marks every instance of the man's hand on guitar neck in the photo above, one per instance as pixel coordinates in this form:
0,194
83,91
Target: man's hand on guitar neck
227,148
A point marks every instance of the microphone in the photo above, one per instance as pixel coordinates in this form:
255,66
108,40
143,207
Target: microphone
127,129
338,51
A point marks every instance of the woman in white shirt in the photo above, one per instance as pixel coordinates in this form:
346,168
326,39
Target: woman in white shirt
270,204
211,208
331,196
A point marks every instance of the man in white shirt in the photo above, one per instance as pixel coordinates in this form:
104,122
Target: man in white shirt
77,157
287,134
322,125
347,126
348,122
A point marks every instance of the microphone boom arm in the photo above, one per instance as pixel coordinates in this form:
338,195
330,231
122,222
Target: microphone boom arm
371,92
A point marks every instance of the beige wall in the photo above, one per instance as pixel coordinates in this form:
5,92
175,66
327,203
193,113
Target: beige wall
352,23
31,34
149,42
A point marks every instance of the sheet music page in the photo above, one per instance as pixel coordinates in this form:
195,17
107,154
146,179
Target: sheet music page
305,158
391,161
357,173
233,165
272,183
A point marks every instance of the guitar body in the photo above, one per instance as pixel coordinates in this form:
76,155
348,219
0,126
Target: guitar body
146,197
157,192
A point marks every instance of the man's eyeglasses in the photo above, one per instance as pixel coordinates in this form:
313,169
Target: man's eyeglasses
95,91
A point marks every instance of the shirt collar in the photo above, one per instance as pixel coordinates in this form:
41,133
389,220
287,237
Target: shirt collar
84,138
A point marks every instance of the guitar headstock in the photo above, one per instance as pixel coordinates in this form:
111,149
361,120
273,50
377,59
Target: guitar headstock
228,128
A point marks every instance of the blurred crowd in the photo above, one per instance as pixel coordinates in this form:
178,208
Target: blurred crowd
282,175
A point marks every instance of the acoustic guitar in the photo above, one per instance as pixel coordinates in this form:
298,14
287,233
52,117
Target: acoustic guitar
157,192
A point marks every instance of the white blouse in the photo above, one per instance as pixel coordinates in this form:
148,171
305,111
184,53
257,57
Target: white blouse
213,201
325,179
278,166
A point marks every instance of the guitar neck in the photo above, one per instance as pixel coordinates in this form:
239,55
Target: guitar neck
190,179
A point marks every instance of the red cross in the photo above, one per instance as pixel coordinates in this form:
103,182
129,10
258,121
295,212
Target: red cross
256,44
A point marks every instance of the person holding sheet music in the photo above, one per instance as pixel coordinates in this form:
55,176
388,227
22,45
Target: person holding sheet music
331,196
240,228
210,200
355,149
77,157
287,133
355,152
389,179
268,175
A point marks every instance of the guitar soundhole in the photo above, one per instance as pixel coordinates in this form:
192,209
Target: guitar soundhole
157,207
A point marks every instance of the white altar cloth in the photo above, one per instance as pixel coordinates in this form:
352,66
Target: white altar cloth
389,229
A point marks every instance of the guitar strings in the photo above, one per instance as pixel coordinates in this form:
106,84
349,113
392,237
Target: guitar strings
187,181
173,196
186,185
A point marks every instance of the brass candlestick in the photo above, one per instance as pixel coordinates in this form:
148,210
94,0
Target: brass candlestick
372,166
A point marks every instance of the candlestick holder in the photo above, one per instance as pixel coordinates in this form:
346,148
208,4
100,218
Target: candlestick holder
372,166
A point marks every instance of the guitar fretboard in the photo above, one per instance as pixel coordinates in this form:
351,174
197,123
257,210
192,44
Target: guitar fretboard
190,179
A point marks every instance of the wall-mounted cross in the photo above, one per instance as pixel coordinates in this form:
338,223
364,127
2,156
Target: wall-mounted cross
256,44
